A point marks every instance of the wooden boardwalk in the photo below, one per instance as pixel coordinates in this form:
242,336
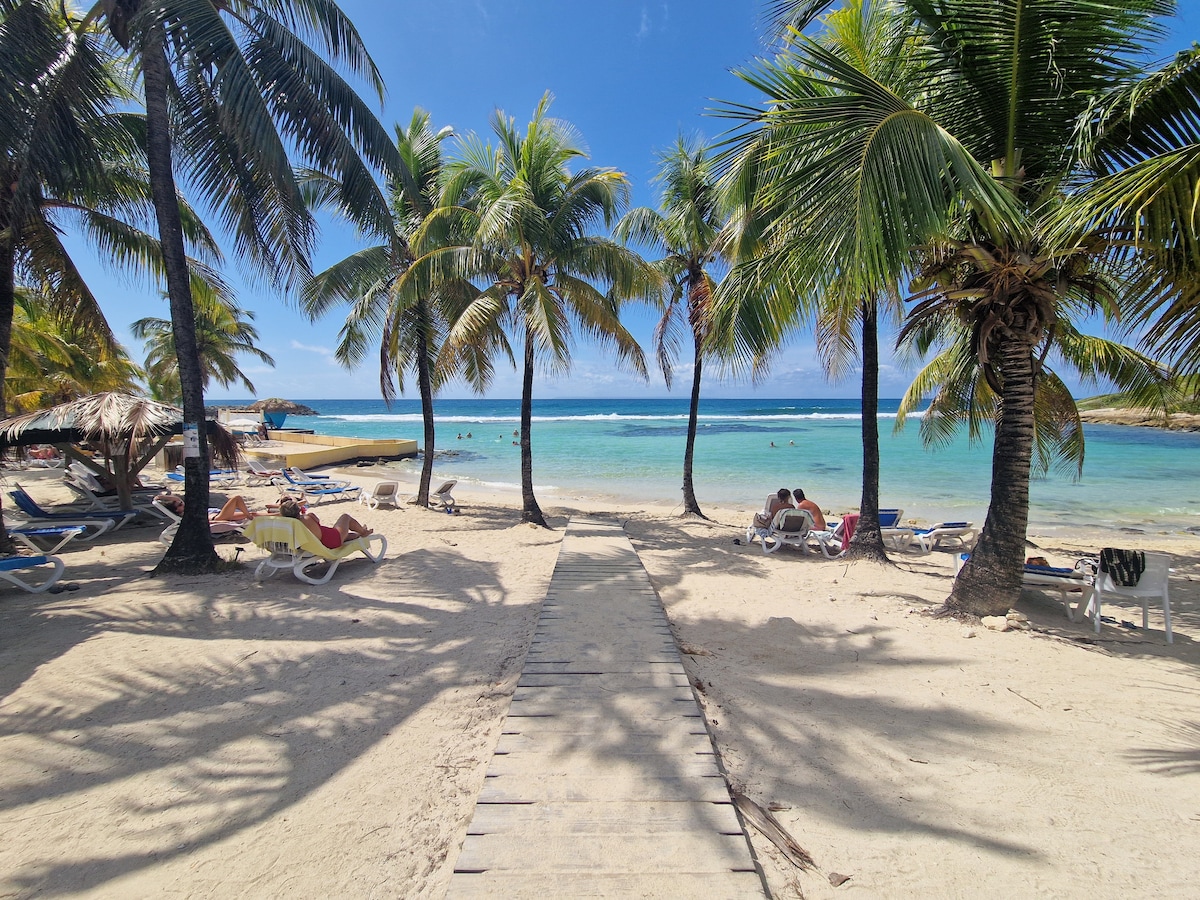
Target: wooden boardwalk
604,782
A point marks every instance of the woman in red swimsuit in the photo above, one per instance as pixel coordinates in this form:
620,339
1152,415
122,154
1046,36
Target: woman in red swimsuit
345,528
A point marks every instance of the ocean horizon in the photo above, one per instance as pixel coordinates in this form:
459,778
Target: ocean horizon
630,450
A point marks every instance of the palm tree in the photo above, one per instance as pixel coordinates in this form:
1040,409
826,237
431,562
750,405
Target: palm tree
973,171
53,359
688,235
233,93
790,259
223,332
408,318
529,215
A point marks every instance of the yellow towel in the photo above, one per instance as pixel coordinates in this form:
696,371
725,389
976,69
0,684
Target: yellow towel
265,530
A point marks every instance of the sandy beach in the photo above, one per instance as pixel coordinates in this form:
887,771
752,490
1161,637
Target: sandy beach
224,737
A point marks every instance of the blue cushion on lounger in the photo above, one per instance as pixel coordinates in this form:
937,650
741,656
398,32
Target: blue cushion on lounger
20,562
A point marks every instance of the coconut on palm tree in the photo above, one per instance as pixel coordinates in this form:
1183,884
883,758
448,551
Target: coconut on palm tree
234,94
529,216
972,171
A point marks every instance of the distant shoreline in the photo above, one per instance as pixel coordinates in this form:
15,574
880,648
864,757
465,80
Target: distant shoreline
1141,417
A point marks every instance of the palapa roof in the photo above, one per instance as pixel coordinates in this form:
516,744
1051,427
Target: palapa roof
108,416
111,417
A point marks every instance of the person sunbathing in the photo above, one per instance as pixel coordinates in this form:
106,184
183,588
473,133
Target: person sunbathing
234,509
332,536
781,500
803,503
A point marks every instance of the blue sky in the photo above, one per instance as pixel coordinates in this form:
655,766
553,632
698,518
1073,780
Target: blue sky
630,75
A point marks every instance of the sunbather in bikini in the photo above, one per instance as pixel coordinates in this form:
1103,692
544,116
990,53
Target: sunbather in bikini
332,536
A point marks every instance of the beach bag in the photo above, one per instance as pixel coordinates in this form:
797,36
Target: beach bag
1124,567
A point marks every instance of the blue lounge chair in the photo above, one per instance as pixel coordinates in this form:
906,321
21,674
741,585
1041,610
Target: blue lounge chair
50,538
38,516
319,490
10,565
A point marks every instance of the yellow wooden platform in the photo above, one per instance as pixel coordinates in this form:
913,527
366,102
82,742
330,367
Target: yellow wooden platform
287,448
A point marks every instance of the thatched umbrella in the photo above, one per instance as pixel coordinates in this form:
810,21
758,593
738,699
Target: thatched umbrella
129,430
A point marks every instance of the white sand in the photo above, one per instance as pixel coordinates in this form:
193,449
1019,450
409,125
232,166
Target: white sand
219,737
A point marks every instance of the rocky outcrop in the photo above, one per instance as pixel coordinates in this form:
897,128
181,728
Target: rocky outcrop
1143,417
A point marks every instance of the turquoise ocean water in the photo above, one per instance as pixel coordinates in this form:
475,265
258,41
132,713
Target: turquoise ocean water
631,450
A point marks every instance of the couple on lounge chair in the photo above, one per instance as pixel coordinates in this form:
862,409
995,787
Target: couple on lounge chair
785,499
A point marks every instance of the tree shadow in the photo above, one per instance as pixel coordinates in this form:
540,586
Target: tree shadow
292,685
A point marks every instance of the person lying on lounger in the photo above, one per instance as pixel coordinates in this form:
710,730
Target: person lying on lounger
332,536
234,510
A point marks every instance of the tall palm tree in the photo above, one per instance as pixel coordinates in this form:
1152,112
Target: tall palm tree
223,333
408,318
530,216
688,235
807,266
234,92
973,170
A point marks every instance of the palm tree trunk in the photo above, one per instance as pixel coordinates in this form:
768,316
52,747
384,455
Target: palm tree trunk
867,542
425,387
990,582
8,302
690,506
192,550
530,511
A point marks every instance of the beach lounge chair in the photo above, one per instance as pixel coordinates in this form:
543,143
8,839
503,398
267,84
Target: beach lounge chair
316,491
89,490
896,535
928,539
52,538
1063,580
38,516
1152,584
217,529
300,475
833,543
9,566
385,493
442,496
292,546
257,473
789,528
224,477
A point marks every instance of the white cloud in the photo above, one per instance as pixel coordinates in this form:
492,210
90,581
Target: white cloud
643,26
310,348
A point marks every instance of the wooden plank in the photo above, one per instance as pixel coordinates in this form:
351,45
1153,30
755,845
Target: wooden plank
580,787
691,851
602,818
609,741
647,765
539,886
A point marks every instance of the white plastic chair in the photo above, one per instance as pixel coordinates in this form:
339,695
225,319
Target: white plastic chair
1152,584
790,528
385,493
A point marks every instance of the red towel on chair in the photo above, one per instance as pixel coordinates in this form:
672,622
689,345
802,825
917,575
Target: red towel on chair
849,523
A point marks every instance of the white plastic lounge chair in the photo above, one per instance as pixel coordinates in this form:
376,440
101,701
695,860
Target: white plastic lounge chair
9,566
897,535
300,475
216,529
292,546
1065,581
51,538
789,528
257,473
929,538
832,543
385,493
1151,585
442,495
316,491
38,516
88,488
